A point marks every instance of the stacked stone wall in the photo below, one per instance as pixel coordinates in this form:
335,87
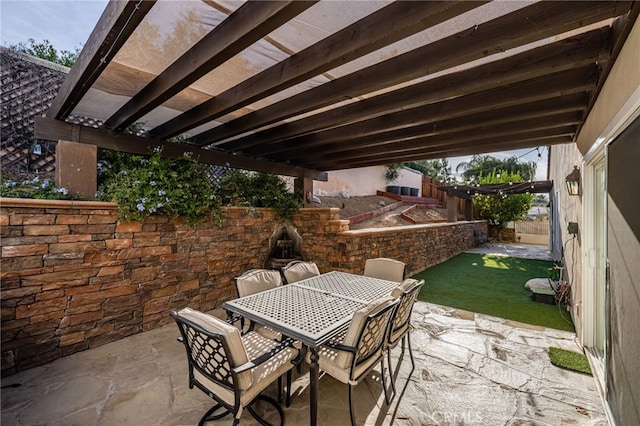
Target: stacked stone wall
74,277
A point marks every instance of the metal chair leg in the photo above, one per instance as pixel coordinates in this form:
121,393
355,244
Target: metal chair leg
387,398
210,416
413,363
270,401
393,382
351,413
288,397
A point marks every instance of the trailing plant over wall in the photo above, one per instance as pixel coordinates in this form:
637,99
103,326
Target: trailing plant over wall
241,188
41,189
143,186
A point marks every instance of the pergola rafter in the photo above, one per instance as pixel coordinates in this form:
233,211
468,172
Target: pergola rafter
330,88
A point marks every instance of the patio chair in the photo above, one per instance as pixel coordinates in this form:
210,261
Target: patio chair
352,357
257,280
385,269
232,369
400,327
481,238
299,270
254,281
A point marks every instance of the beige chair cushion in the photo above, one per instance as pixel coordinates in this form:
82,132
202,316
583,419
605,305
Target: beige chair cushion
338,363
406,285
401,318
300,271
238,354
262,375
267,332
385,269
243,348
331,361
397,335
257,280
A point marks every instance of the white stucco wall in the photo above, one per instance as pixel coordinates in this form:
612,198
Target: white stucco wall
616,105
364,181
562,160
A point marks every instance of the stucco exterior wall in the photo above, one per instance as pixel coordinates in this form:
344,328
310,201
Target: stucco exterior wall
623,252
562,160
364,181
617,104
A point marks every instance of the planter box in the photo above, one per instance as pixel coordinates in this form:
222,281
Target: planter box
393,189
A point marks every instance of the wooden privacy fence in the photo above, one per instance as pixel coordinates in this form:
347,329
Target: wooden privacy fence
430,190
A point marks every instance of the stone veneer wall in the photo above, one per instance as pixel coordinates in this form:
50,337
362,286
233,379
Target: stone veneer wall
74,277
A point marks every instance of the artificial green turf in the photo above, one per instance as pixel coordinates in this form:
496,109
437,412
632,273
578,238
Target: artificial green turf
492,285
569,359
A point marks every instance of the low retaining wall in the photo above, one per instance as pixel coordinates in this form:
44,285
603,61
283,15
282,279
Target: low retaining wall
370,215
74,277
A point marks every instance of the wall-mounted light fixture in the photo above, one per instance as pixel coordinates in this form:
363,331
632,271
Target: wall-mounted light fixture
573,181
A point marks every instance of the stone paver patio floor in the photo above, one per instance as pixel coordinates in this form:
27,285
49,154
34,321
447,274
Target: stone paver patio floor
470,369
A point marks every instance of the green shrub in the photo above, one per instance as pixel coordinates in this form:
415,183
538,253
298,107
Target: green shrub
500,209
241,188
143,186
148,185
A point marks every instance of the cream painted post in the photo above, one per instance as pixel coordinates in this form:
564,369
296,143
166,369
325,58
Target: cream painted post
76,168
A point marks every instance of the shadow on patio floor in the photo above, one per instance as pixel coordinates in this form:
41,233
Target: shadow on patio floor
470,369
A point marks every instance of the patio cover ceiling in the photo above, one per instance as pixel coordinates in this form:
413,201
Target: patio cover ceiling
303,87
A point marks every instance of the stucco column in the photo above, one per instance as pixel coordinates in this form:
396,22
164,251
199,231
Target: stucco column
76,168
452,208
304,185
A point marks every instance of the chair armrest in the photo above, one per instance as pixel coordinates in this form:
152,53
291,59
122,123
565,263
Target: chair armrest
341,347
266,356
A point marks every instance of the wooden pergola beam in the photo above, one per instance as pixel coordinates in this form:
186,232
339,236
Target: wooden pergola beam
51,129
529,24
567,54
557,86
116,24
454,115
396,143
532,141
364,36
248,24
539,117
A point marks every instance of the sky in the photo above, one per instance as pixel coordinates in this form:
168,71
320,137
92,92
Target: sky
68,24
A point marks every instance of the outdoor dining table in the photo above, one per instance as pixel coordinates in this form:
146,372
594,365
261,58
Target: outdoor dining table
312,311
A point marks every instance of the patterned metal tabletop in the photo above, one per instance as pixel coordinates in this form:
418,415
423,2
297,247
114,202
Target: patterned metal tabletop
312,310
356,287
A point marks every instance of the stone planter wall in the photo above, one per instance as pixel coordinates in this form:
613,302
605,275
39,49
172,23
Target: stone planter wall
74,277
